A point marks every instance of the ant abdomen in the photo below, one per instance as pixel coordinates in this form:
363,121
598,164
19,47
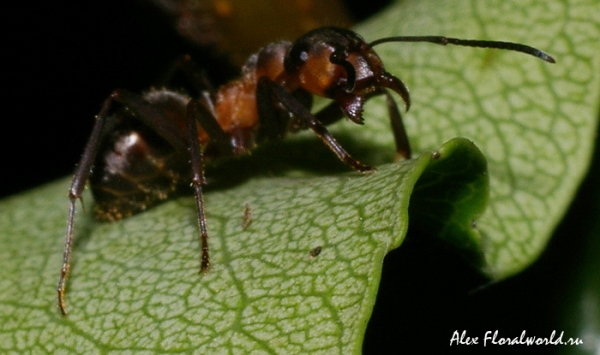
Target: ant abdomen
135,167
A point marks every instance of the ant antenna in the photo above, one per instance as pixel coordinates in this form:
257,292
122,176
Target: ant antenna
517,47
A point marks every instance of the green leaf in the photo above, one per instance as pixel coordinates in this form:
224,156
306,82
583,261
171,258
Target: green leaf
448,200
135,283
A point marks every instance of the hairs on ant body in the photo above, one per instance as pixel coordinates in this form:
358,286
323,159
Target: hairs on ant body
141,146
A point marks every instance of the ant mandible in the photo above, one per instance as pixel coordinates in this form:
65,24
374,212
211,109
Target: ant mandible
140,150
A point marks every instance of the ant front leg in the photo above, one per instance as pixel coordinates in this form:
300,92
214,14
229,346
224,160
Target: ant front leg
400,137
304,114
333,113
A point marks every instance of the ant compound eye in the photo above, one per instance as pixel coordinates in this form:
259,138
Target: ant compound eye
295,58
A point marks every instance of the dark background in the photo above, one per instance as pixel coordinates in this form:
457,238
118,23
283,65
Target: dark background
62,61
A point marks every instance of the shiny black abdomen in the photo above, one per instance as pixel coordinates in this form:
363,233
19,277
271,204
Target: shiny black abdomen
135,169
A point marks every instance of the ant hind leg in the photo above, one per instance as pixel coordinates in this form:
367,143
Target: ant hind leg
82,173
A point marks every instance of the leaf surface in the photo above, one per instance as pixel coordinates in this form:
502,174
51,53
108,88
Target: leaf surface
135,283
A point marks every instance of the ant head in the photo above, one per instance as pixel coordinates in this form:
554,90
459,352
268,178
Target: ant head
338,64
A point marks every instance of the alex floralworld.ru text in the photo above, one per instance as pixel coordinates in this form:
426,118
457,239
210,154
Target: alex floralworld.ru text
493,338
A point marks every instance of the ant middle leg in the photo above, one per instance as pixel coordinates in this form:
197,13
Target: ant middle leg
202,112
198,179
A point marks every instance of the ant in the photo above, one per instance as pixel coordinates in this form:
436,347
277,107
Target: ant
145,148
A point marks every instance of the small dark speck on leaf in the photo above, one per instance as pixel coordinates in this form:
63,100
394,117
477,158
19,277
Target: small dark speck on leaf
247,216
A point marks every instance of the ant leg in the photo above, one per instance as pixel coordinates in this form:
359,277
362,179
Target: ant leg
330,114
273,120
145,112
196,110
80,177
203,111
333,113
194,75
197,157
164,127
400,137
158,121
301,112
